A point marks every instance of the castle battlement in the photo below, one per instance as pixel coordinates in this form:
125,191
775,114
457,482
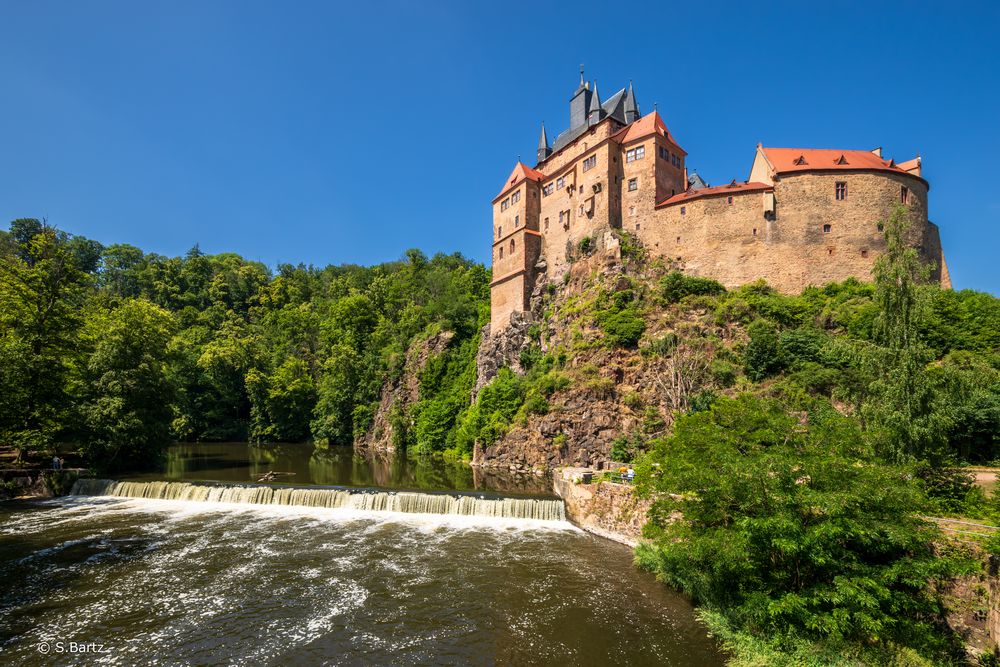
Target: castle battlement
803,217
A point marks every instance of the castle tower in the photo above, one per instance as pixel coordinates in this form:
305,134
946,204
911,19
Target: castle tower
579,104
631,106
544,150
595,113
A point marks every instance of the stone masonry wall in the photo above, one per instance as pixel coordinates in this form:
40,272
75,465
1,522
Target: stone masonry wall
610,510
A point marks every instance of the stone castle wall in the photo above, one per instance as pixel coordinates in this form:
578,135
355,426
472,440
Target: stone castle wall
793,234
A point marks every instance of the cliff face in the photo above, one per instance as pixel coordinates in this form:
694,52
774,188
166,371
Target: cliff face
382,438
611,392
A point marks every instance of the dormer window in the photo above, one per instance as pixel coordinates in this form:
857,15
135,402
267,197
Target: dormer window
800,160
841,190
841,160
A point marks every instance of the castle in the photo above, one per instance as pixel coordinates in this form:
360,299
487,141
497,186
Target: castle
803,217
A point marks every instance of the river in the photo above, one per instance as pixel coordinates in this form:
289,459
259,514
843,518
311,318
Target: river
438,566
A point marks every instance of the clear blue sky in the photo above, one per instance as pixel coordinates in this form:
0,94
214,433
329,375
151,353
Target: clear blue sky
331,132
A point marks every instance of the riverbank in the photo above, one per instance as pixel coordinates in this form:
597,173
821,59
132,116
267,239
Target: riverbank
608,509
37,482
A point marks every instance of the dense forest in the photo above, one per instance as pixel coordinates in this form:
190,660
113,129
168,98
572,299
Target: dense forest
117,352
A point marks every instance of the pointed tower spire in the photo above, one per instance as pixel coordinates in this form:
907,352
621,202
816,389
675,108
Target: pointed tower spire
543,145
595,113
631,106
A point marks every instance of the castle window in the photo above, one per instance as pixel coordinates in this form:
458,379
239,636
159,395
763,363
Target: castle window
637,226
729,199
683,210
755,231
678,239
546,224
517,221
664,153
633,184
864,253
561,182
501,252
633,154
505,204
512,246
516,197
547,189
631,210
590,163
499,231
841,190
827,229
581,189
829,251
904,195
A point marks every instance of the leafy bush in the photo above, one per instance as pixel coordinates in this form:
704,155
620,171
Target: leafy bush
793,533
676,285
763,354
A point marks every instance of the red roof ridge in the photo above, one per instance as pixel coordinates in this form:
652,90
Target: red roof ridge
521,172
688,195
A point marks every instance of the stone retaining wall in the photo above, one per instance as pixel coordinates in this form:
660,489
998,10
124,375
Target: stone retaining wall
607,509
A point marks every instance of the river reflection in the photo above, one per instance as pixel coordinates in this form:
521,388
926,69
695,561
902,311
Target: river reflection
334,466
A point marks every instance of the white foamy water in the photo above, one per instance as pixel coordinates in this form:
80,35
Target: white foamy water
360,501
178,582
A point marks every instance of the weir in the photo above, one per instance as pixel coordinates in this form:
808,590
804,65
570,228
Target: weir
370,500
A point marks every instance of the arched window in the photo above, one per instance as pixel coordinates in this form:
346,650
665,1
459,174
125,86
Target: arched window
512,245
501,252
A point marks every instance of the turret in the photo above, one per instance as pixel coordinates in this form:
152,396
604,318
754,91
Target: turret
631,106
579,103
595,113
544,150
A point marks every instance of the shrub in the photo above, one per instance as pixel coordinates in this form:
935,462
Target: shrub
662,346
723,372
585,245
675,286
625,448
763,354
793,533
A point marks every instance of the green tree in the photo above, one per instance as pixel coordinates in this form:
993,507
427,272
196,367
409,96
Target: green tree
42,292
127,407
898,407
792,531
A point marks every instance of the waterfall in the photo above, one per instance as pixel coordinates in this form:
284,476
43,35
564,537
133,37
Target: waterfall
371,500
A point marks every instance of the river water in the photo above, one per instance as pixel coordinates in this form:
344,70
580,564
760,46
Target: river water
252,575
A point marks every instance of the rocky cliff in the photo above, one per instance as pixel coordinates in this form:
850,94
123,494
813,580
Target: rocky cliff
611,392
398,395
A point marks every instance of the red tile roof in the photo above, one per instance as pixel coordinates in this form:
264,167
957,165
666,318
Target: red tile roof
649,124
785,160
718,190
522,172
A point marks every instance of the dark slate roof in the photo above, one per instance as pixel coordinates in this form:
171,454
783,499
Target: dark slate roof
614,107
696,182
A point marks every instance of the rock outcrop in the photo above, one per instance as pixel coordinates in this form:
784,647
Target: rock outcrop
381,439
